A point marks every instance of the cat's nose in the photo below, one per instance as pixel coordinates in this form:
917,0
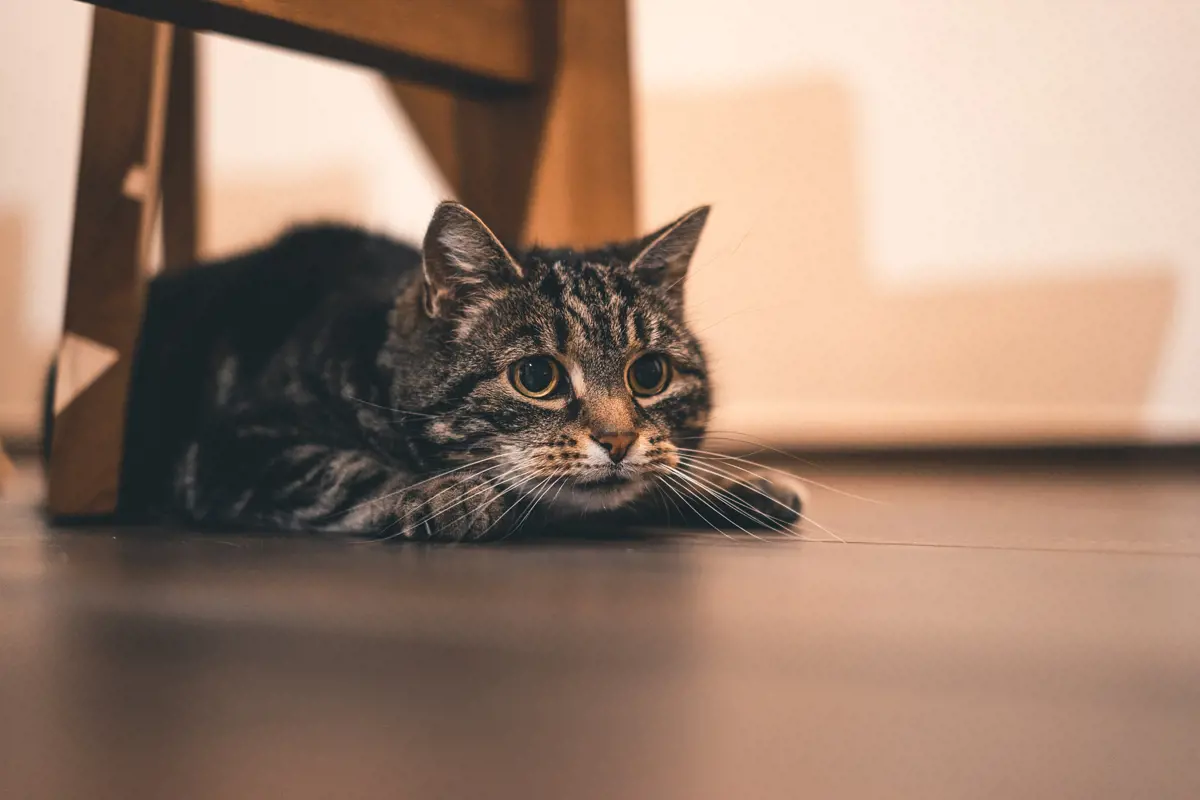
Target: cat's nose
617,443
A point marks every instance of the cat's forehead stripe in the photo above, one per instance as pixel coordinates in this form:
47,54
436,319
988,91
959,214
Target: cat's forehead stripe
592,307
595,312
561,333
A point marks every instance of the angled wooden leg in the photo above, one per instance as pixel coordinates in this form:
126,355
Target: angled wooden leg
115,210
180,179
555,164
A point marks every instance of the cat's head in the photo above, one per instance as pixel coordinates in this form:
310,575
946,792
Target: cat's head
574,369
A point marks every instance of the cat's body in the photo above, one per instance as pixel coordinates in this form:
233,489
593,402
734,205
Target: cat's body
276,339
338,380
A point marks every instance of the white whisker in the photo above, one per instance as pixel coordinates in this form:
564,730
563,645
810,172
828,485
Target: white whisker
537,499
697,488
727,457
488,484
405,488
669,482
742,506
523,479
696,464
505,512
682,517
391,409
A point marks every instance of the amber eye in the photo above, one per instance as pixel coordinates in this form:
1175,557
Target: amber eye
536,376
649,375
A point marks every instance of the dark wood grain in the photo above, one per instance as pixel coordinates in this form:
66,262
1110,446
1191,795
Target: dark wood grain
108,243
490,37
471,46
181,168
553,166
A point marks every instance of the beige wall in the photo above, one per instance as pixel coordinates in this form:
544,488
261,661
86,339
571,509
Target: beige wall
934,220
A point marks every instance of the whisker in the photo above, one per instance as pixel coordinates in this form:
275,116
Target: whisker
668,481
561,483
770,522
694,464
700,497
712,470
727,457
667,485
525,495
671,500
537,498
524,479
716,258
507,511
391,409
489,483
732,314
805,518
746,438
742,506
405,488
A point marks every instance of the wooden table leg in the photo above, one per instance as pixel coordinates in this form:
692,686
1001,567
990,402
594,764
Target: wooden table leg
115,210
554,165
180,178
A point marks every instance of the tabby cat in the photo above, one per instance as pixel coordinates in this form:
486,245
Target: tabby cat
338,380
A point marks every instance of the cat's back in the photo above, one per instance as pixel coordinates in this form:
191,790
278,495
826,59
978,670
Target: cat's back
249,307
259,297
246,310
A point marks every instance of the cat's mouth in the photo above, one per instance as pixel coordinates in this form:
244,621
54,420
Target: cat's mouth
606,491
612,481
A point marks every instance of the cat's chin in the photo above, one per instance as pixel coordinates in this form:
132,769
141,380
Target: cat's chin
601,495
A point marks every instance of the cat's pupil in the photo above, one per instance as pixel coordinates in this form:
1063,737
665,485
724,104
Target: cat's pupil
536,374
648,372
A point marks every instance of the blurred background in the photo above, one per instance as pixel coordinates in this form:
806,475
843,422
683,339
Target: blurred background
935,222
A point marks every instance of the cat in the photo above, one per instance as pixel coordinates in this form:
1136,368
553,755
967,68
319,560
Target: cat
338,380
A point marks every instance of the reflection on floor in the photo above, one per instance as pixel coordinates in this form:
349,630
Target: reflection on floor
1027,630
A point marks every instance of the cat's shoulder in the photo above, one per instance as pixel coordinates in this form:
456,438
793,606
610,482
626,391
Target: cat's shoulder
324,253
335,237
340,246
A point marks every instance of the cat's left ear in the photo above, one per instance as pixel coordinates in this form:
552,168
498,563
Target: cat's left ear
460,254
666,253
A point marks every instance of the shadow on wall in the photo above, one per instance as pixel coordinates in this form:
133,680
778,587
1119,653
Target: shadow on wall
23,358
808,350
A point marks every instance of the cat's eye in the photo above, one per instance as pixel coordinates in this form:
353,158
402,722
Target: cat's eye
536,376
648,375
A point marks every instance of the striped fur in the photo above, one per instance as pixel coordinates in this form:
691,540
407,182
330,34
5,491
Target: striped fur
337,380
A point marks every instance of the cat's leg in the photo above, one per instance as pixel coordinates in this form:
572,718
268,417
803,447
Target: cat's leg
258,480
451,508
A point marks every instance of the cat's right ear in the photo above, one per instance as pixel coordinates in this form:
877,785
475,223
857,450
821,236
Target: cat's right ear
461,253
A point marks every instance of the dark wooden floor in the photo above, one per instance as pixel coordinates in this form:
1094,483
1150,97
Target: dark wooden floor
1028,631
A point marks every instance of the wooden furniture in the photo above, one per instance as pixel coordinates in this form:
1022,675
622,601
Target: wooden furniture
7,470
523,104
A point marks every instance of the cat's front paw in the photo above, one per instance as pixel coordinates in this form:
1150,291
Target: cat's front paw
450,510
766,503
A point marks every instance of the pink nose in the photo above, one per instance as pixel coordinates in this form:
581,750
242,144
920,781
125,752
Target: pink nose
617,443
